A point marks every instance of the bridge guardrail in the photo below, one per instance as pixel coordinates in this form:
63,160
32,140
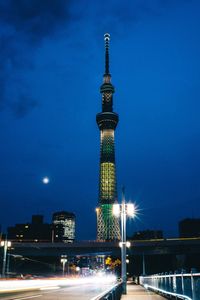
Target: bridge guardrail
181,286
113,293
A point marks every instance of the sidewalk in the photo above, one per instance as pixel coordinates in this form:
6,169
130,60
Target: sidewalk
137,292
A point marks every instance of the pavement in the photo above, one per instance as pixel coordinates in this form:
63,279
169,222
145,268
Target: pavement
55,288
137,292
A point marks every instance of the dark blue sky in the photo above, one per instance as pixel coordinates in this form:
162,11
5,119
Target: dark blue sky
51,67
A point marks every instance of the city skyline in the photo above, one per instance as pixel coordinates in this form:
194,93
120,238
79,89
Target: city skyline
51,69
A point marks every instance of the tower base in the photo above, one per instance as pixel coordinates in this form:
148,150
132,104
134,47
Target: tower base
108,228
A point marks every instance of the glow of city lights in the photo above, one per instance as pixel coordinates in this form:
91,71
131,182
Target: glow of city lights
45,180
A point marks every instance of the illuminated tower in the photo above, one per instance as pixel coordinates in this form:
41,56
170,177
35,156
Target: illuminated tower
107,225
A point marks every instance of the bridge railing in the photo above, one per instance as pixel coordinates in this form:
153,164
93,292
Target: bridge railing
113,293
181,286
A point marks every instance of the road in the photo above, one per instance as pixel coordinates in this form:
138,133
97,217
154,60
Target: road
59,290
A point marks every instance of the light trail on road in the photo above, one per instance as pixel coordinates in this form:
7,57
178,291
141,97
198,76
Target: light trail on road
55,288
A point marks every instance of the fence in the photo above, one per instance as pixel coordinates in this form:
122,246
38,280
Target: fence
181,286
112,294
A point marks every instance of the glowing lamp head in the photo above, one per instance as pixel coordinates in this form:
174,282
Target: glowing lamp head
45,180
128,244
130,209
116,210
6,243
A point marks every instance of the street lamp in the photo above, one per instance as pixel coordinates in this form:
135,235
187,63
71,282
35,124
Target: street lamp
124,209
63,261
6,244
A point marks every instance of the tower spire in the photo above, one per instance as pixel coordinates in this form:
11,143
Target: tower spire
107,40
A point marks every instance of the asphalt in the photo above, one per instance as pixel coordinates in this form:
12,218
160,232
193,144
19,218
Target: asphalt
83,292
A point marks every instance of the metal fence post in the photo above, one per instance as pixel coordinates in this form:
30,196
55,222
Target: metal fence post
182,284
170,281
193,287
174,283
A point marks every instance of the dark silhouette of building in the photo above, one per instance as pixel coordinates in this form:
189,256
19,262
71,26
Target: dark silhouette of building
189,228
147,235
107,225
63,227
37,219
36,231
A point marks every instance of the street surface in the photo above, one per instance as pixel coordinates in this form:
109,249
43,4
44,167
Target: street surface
57,289
137,292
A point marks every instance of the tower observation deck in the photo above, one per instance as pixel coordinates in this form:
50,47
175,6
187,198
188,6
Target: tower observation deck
107,120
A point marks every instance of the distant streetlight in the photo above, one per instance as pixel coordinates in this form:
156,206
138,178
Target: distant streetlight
6,244
63,261
123,210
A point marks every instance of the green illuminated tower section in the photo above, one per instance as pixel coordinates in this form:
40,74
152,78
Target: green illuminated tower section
107,225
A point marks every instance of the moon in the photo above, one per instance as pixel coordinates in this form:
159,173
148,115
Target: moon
45,180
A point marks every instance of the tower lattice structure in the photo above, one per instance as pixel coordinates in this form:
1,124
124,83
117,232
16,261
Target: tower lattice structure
107,225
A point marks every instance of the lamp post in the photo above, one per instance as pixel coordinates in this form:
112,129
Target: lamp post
124,209
63,261
6,244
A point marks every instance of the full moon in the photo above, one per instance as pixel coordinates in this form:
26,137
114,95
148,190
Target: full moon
45,180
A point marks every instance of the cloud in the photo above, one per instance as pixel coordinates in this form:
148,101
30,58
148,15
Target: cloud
23,27
35,19
25,24
119,17
23,105
2,91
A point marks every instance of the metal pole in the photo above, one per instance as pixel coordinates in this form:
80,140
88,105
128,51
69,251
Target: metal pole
182,284
123,249
63,267
171,282
8,264
143,265
63,261
193,286
4,258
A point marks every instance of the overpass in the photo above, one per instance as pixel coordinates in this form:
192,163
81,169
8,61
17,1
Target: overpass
93,248
145,257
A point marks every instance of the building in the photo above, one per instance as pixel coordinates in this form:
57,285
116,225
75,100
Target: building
147,235
36,231
107,120
63,227
189,228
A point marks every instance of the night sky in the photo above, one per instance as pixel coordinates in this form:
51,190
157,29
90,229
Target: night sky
51,68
